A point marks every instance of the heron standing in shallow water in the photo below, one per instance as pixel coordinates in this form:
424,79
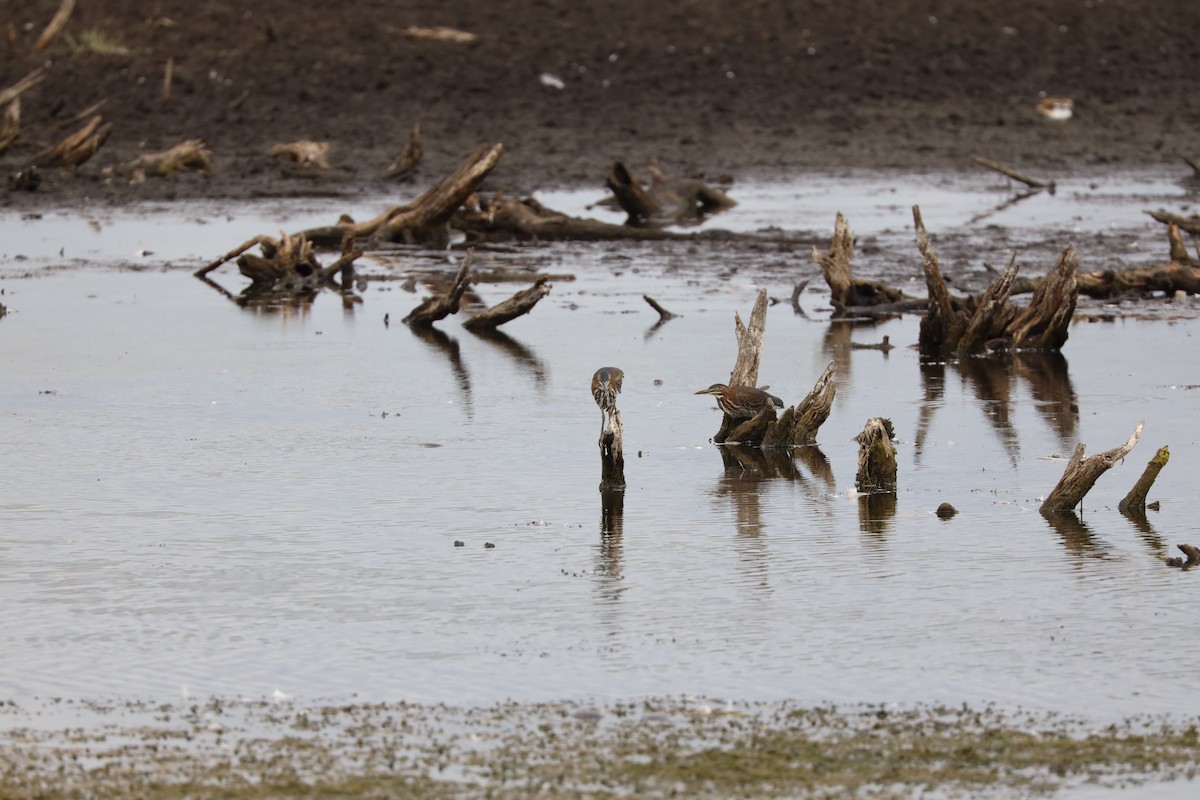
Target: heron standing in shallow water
606,385
741,402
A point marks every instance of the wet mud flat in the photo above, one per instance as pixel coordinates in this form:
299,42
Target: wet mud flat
662,747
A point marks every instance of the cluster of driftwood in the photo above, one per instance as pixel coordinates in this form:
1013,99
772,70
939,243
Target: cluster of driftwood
456,204
876,474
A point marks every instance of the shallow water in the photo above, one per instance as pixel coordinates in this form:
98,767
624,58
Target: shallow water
232,501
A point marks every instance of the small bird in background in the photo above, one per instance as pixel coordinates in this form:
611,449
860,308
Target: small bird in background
741,402
606,385
1056,108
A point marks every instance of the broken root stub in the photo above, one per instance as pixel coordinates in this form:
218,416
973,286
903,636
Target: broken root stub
612,454
876,457
1136,499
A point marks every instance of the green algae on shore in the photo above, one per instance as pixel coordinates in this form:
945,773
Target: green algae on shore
652,748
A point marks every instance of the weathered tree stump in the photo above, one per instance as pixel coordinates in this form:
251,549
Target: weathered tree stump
750,343
847,293
438,307
1136,499
798,424
991,322
876,457
612,453
1081,474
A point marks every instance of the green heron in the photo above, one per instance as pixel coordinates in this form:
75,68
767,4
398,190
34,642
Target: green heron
741,402
606,385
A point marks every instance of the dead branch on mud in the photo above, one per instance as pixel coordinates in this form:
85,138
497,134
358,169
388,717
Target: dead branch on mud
993,323
437,307
189,156
76,148
876,457
846,291
501,219
1081,474
520,303
28,82
10,128
405,163
1033,183
1136,499
667,201
304,154
55,26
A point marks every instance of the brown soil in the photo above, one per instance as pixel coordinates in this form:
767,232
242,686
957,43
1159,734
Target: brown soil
748,89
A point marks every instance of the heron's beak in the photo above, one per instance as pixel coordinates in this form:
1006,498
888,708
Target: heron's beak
705,391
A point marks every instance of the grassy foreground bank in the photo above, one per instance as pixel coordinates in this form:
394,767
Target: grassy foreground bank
650,748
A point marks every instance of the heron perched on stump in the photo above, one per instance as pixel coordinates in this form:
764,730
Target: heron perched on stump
741,402
606,385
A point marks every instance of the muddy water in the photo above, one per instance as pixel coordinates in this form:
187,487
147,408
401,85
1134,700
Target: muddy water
206,498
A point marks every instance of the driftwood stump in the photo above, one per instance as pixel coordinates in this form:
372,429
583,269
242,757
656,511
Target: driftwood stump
1081,474
1136,499
798,424
848,294
440,306
612,454
991,322
876,458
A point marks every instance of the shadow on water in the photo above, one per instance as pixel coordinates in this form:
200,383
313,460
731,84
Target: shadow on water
993,380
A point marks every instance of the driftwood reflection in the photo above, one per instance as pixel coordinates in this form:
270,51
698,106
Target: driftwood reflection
262,297
519,353
875,513
746,467
448,345
838,343
993,380
1076,537
1137,518
610,554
